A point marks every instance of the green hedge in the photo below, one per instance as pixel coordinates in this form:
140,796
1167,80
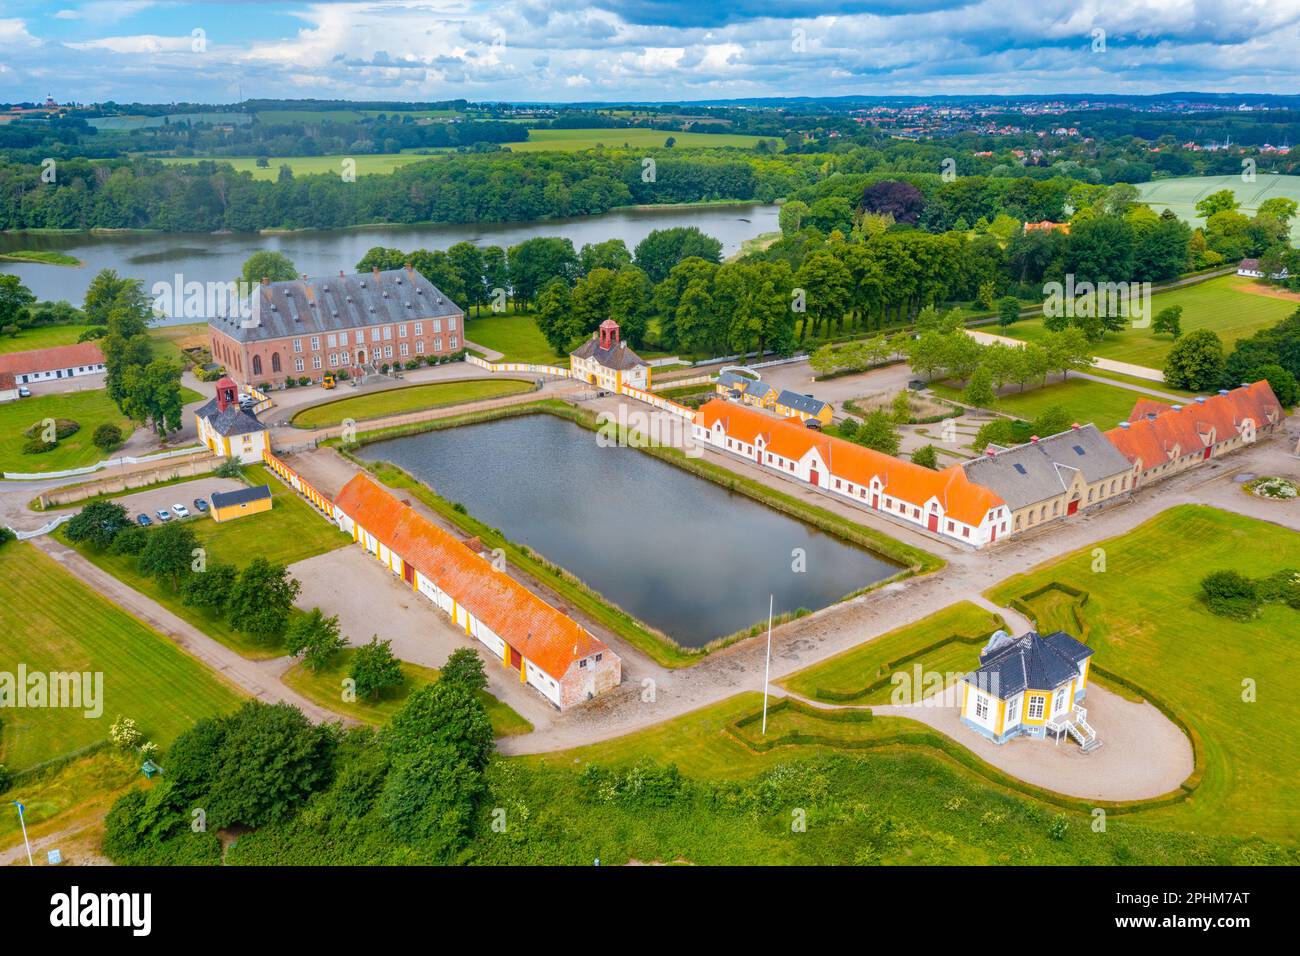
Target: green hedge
888,667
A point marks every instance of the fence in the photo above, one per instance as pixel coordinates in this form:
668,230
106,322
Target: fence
658,401
527,367
263,401
43,529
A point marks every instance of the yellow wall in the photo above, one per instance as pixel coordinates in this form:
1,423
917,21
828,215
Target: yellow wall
239,511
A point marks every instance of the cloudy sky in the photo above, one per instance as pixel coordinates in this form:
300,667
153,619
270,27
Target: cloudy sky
569,50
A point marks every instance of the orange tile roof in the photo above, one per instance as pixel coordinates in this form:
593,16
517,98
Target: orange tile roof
543,635
961,498
46,360
1156,431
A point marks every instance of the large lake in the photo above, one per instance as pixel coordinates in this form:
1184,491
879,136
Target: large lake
680,553
205,257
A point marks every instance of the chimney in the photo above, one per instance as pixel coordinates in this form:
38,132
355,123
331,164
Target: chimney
1033,439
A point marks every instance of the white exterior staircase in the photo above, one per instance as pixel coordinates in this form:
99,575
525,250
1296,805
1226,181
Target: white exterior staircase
1078,728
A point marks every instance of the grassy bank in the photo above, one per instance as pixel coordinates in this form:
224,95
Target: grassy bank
395,401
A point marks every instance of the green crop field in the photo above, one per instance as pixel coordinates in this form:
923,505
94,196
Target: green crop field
1233,306
395,401
42,337
569,140
367,163
1181,194
50,621
345,116
1145,621
291,531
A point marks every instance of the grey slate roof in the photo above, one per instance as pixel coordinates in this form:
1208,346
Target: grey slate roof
1030,662
800,402
328,304
734,379
240,496
1037,470
619,357
233,421
758,389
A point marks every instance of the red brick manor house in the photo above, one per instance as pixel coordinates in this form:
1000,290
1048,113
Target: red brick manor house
308,327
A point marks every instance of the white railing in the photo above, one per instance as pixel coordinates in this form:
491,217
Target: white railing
106,463
43,529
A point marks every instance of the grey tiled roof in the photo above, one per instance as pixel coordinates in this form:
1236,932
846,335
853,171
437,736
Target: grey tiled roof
803,403
233,421
619,357
328,304
240,496
732,379
1037,470
1030,662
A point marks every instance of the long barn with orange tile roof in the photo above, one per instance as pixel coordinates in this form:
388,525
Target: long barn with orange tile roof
945,503
547,648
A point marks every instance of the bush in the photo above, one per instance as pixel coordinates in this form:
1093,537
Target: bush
35,446
927,457
304,380
229,468
63,428
1230,594
129,541
6,535
124,733
107,437
6,778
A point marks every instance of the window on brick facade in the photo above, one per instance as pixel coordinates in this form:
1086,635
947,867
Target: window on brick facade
437,325
331,341
275,361
388,351
454,344
315,361
419,346
388,332
297,345
257,365
297,364
401,331
404,349
315,343
419,328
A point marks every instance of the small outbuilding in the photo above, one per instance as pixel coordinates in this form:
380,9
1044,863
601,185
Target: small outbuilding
241,502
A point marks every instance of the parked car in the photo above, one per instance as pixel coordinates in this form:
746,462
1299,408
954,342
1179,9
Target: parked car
916,385
814,424
24,391
164,514
142,520
200,504
180,510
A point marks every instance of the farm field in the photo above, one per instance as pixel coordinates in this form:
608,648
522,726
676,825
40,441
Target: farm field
344,116
42,337
323,687
50,621
1085,400
851,677
1181,194
1147,624
291,531
569,140
1232,306
90,409
367,163
410,398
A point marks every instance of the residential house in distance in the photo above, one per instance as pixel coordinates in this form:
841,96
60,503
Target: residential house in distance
1160,440
1054,477
607,361
790,404
1046,225
356,323
229,430
1029,686
62,361
1251,268
549,650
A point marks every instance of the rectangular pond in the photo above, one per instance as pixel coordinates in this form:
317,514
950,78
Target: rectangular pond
677,551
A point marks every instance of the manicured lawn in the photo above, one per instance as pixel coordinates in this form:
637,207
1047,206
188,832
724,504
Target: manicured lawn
366,164
325,688
42,337
291,531
514,335
394,401
947,642
1085,400
1223,304
575,139
168,340
1147,625
50,621
90,409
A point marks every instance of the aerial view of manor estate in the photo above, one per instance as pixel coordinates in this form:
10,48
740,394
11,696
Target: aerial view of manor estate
708,437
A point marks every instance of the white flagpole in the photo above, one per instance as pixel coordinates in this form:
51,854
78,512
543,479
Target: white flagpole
23,824
767,668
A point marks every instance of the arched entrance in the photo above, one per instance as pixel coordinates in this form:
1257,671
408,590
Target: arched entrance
361,356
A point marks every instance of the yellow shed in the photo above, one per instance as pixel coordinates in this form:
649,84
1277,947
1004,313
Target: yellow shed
244,501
